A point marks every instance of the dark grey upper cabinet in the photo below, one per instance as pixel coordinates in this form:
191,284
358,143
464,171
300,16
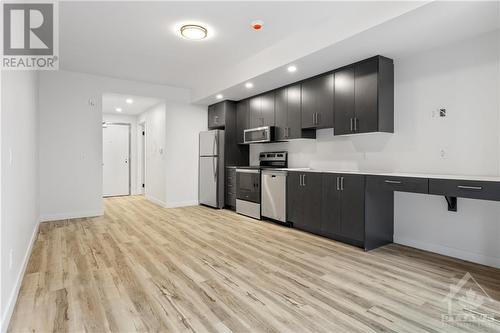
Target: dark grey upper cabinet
317,102
262,110
242,120
267,109
288,114
255,113
281,108
217,115
364,97
344,101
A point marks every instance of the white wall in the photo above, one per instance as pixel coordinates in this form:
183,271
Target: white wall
71,138
19,181
156,170
134,149
464,79
184,122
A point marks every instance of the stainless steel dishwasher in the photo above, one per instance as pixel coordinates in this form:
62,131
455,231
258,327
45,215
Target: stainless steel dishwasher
274,194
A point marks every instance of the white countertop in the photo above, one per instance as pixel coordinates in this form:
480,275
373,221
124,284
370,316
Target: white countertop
398,174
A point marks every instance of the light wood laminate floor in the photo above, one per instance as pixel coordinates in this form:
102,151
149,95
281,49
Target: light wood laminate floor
195,269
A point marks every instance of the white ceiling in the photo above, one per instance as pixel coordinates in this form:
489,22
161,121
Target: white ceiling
136,41
436,24
140,104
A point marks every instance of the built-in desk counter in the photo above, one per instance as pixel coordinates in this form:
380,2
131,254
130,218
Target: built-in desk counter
358,207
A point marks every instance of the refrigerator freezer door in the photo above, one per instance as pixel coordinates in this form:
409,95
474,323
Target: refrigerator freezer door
208,181
209,143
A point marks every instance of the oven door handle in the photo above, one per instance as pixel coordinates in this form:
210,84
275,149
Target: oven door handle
247,170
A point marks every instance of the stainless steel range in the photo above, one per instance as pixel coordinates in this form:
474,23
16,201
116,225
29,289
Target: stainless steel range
248,182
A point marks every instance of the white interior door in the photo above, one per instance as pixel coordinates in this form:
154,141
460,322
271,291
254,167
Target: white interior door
116,160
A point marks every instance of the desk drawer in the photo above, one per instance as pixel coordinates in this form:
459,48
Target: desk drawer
402,184
465,189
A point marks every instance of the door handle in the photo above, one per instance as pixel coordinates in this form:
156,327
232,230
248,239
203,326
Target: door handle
318,118
351,126
338,183
355,124
341,183
304,179
314,118
475,188
393,181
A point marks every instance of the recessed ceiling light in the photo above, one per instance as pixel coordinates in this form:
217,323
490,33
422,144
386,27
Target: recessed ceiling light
292,68
219,96
249,85
193,32
129,101
118,109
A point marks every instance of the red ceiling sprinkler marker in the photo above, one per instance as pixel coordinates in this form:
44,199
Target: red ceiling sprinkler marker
257,25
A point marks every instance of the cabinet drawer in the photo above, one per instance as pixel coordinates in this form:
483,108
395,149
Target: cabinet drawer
401,184
465,189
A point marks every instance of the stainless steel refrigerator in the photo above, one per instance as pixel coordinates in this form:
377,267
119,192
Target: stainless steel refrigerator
211,169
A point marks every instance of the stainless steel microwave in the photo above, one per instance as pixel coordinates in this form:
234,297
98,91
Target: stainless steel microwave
259,134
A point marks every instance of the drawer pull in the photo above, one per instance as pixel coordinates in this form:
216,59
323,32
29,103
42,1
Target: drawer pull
393,182
476,188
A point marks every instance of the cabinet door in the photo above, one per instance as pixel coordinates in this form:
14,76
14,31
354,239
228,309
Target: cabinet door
256,119
324,102
216,115
267,109
308,92
366,99
242,119
344,101
313,188
294,112
331,205
317,102
294,198
353,207
281,105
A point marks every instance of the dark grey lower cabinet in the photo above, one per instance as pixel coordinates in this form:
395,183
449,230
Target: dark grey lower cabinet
354,209
304,197
343,210
230,188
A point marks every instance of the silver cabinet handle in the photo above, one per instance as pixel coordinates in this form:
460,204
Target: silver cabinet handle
314,118
341,183
300,180
318,118
393,181
355,124
464,187
304,179
338,183
351,126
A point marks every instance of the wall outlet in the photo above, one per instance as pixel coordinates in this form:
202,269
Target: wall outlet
11,256
443,153
442,112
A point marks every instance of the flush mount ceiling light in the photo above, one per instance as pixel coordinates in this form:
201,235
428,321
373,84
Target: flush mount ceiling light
118,109
292,68
193,32
129,101
249,85
219,96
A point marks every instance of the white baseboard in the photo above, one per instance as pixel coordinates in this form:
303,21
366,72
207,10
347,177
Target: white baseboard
11,303
451,252
66,216
181,204
156,201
